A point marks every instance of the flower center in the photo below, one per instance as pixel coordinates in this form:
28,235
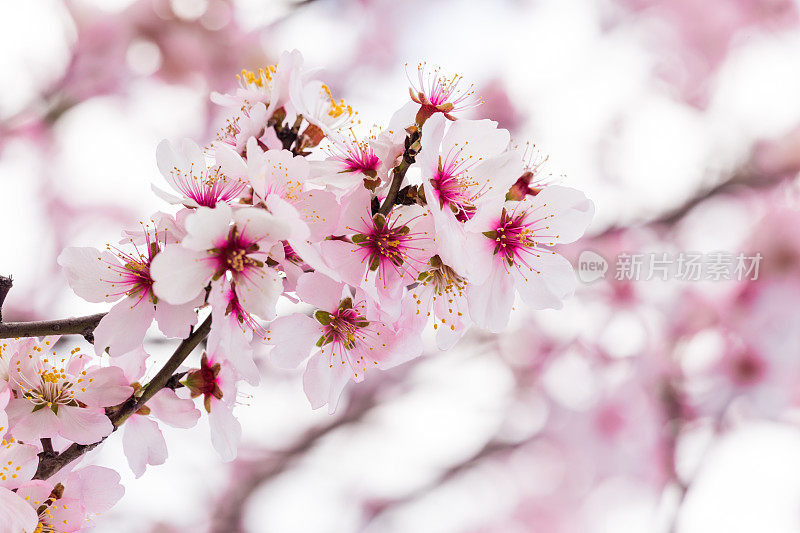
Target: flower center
386,242
342,326
512,237
234,254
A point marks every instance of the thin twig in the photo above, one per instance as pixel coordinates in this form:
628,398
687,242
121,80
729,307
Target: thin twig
399,172
50,464
82,325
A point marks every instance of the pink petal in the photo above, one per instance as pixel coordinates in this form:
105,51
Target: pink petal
83,425
90,273
548,288
180,274
175,321
226,432
490,303
104,386
172,410
292,338
258,290
97,488
18,463
320,291
123,328
33,426
143,444
206,226
568,210
17,515
323,383
344,259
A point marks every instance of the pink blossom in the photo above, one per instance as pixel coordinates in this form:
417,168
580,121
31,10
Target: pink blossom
124,276
351,163
513,251
383,254
188,173
438,93
466,174
61,395
347,336
222,241
69,505
216,383
270,85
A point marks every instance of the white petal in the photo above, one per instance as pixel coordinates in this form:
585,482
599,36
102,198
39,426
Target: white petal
207,227
292,338
143,444
83,425
180,274
123,329
17,515
226,432
175,321
92,274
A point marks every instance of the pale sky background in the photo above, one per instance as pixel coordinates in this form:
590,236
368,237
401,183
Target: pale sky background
575,81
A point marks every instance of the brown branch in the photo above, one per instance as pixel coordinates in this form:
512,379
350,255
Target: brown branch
50,463
5,286
82,325
412,147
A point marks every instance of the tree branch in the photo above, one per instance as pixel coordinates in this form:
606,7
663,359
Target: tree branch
50,464
82,325
5,286
399,172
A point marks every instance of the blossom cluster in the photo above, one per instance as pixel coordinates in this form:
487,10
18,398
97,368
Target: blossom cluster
434,222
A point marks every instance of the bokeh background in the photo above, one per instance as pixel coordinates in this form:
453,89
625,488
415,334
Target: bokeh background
642,406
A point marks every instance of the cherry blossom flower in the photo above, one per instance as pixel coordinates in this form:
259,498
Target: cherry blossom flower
213,248
69,505
62,395
268,85
440,292
513,251
188,173
216,383
347,336
280,180
142,440
466,176
124,276
314,100
351,163
437,93
383,254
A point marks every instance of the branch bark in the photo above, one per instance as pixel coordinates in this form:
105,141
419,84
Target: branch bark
50,463
5,286
398,173
82,325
